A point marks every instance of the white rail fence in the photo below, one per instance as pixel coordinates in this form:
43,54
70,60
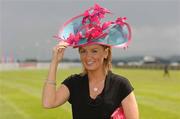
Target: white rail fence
17,66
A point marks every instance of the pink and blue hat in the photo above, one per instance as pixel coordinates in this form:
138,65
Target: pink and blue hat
87,28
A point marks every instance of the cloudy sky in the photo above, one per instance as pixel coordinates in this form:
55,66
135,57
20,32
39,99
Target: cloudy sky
27,26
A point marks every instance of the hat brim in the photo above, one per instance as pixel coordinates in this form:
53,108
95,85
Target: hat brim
70,27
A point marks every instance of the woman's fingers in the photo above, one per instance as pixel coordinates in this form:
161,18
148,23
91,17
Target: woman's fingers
58,50
63,44
59,47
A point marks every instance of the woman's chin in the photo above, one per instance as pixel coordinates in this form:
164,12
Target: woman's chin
90,68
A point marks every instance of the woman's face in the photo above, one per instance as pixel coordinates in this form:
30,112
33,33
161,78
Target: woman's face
92,56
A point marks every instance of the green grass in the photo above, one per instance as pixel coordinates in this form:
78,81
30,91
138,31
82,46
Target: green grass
21,90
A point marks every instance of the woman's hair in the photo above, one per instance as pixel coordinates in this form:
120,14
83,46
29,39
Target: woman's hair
107,61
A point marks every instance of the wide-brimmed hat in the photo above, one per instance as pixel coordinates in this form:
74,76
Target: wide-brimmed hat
87,28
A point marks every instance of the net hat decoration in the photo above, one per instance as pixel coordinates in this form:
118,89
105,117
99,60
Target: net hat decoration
88,28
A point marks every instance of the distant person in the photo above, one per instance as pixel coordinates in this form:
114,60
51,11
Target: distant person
96,92
166,70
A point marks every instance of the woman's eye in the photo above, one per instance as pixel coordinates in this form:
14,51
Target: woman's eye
94,51
82,51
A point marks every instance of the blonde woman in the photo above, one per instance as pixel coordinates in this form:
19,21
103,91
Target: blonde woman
96,92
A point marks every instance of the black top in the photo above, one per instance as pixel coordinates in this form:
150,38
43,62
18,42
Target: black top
116,88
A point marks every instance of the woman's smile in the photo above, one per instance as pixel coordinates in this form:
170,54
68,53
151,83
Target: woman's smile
90,62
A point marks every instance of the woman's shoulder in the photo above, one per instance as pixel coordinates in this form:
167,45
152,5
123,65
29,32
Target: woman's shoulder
75,77
118,79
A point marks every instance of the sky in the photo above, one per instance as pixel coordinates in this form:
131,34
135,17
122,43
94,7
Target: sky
27,26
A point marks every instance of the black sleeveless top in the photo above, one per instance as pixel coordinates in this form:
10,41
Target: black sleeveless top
116,88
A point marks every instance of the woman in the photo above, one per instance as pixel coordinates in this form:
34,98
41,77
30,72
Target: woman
96,92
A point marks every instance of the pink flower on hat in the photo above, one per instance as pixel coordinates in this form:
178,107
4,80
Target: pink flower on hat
94,14
73,39
121,20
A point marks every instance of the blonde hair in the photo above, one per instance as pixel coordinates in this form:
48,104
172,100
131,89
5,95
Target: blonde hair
107,61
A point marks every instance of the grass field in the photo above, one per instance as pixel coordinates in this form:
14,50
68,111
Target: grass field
20,94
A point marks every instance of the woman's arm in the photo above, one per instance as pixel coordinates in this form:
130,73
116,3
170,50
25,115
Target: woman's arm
130,107
52,97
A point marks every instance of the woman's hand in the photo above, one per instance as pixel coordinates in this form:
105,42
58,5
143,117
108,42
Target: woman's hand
58,51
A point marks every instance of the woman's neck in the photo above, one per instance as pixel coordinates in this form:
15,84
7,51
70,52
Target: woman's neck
96,76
